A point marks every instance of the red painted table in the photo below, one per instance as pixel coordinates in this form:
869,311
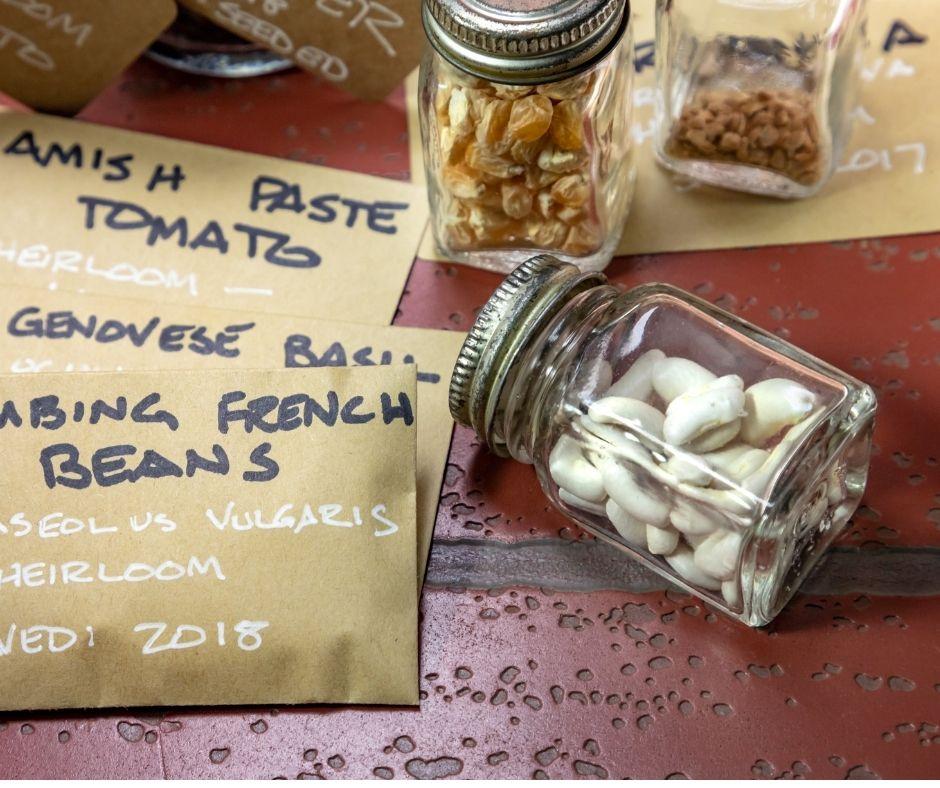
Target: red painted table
542,653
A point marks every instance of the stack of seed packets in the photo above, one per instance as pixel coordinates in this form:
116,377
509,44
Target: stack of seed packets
232,501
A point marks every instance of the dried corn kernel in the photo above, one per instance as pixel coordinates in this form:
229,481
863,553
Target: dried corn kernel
551,159
461,182
458,112
568,88
493,122
516,200
572,190
530,118
583,238
491,163
568,125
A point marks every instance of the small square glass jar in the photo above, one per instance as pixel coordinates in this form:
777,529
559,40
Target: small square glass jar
525,116
717,454
757,95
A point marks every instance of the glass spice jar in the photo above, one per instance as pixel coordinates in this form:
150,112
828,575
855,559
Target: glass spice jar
757,96
715,453
525,116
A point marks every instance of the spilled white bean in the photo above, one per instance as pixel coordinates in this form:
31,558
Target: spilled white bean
571,470
637,382
772,405
675,376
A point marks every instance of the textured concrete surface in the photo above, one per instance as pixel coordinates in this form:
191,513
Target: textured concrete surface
543,653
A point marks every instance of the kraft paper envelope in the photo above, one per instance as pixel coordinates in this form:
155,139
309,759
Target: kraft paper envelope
888,182
92,209
208,537
56,56
54,331
365,47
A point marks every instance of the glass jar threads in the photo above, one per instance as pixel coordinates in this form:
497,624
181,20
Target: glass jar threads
720,456
525,117
757,96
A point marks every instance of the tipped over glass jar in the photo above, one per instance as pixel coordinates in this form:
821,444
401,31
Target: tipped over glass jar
757,96
717,454
525,117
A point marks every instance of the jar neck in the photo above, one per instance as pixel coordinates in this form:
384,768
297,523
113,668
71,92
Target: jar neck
531,396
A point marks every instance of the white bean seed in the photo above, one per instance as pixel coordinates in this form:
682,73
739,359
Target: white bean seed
675,376
729,590
630,414
631,529
683,562
715,438
704,408
637,382
692,520
772,405
579,503
637,500
689,469
570,469
661,541
718,554
614,441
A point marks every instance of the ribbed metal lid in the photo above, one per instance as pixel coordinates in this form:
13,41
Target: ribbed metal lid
524,41
520,308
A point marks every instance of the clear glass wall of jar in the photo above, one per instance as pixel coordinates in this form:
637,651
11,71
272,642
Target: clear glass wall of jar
525,117
757,96
715,453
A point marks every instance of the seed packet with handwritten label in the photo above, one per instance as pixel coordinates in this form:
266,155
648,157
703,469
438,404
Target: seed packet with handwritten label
133,215
58,331
57,56
208,537
365,46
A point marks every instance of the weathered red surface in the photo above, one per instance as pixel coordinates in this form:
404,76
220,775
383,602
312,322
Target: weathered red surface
525,682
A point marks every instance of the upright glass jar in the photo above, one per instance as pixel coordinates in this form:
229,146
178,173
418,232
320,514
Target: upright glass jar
525,117
715,453
757,96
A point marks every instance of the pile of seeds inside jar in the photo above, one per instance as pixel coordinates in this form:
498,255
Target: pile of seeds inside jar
515,165
676,459
773,129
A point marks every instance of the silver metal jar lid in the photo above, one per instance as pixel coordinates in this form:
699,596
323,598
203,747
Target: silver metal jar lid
521,307
524,42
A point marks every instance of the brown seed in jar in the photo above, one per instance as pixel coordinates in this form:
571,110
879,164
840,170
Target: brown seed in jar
730,141
567,128
571,190
453,145
530,118
545,203
516,200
